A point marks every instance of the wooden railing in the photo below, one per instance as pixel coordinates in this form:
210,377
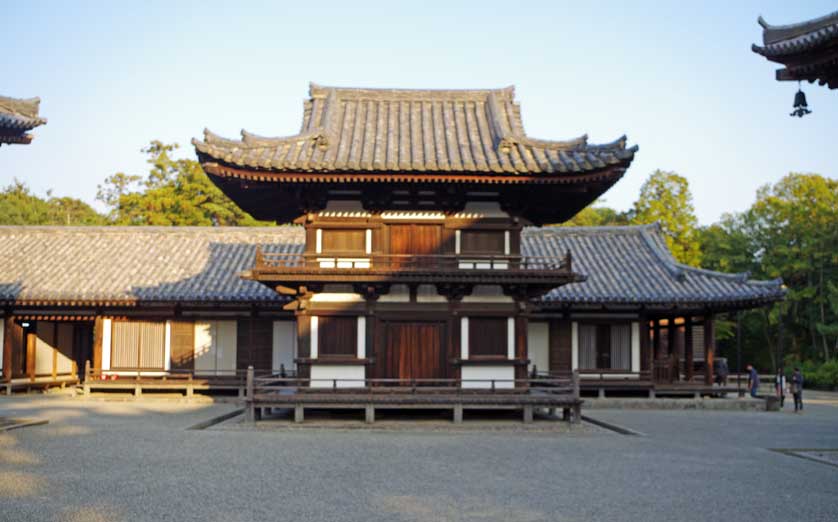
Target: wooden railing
274,384
270,261
179,375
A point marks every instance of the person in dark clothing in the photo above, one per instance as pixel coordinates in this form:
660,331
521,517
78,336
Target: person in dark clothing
753,381
797,389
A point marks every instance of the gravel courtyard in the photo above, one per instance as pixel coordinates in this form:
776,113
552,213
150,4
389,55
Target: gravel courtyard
114,461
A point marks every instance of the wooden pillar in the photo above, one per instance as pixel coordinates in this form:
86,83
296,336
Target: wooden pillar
8,345
688,347
645,352
30,339
98,333
709,348
521,347
672,350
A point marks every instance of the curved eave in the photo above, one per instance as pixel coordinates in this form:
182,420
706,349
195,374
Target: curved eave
612,172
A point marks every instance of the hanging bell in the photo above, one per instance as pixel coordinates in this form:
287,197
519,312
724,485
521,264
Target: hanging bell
801,108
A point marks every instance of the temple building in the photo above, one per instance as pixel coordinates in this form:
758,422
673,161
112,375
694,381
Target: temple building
808,51
412,250
17,118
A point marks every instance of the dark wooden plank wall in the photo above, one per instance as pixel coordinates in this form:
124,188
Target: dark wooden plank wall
337,336
560,346
183,345
487,337
254,344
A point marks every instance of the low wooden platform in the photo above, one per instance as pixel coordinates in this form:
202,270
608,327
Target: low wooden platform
445,394
38,383
174,381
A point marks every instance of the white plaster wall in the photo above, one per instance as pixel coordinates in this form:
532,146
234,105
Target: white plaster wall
325,297
635,347
2,340
361,347
538,345
329,372
510,338
313,339
464,338
167,346
215,347
226,347
65,341
106,344
43,350
284,344
487,294
504,373
574,345
397,294
428,294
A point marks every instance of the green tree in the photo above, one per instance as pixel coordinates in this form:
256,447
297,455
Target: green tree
791,231
19,206
176,192
597,216
665,197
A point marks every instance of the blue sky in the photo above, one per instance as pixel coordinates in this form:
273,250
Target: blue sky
680,80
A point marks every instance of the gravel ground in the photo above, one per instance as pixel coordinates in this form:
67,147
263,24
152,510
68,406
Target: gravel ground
116,461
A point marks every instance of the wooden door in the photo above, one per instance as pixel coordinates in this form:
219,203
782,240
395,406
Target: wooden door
412,350
415,240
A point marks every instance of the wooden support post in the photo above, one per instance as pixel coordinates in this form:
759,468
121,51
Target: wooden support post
576,417
86,389
8,347
709,349
458,414
528,414
688,348
250,408
299,413
138,391
652,393
369,414
189,390
565,413
601,394
576,384
672,350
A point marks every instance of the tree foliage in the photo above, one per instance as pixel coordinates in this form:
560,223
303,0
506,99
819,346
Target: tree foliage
19,206
791,231
597,216
175,192
665,198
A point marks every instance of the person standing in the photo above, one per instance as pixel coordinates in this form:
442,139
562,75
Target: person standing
780,386
753,381
797,389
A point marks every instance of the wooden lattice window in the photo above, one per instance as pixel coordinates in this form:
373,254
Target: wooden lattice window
487,337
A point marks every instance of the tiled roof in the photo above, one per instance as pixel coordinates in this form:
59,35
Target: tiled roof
795,38
625,265
631,265
809,50
117,264
389,130
18,116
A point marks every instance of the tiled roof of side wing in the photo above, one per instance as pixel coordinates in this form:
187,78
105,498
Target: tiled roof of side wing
388,130
631,265
20,114
179,264
779,40
137,264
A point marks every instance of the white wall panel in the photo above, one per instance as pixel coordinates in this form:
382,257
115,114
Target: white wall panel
329,372
538,345
284,344
503,374
106,343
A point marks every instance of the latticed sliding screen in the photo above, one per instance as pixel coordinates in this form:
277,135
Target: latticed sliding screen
337,336
349,241
487,337
138,344
605,346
